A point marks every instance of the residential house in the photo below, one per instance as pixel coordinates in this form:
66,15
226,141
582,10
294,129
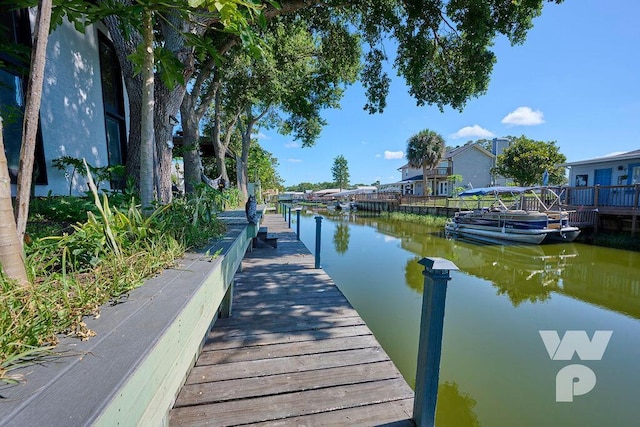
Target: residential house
593,182
618,169
471,161
84,107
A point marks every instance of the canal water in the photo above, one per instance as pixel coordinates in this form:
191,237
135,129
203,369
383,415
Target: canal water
495,369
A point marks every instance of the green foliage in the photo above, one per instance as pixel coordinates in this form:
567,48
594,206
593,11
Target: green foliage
192,219
111,251
525,160
430,220
425,149
443,46
263,167
304,186
71,165
340,172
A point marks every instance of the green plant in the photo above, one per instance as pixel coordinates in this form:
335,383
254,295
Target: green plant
431,220
77,166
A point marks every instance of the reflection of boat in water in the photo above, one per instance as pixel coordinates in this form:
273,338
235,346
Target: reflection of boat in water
499,222
342,206
521,272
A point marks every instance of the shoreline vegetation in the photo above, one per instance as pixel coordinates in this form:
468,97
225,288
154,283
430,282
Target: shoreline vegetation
85,252
615,240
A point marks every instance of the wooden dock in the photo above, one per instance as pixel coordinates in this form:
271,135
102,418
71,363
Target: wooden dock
294,352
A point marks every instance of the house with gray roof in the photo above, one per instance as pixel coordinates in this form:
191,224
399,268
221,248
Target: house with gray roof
471,161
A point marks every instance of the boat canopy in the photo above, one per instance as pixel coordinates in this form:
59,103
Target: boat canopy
483,191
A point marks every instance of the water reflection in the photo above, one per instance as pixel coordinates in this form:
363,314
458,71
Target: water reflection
455,408
495,370
524,273
341,237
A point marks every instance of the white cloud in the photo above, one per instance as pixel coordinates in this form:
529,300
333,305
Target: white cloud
294,160
392,155
378,155
292,144
262,136
524,116
474,131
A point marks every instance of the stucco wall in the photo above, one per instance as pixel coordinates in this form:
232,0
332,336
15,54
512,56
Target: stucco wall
72,112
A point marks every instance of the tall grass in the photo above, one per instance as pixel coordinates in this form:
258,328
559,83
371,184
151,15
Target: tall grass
73,274
430,220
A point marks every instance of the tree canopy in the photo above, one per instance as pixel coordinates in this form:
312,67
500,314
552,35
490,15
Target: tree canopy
526,161
340,172
443,49
424,150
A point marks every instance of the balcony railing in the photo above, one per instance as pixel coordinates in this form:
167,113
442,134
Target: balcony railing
440,171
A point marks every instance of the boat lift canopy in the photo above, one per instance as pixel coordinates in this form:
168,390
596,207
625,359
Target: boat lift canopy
496,191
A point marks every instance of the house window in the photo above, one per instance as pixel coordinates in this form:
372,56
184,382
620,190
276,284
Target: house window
634,172
443,188
113,99
581,180
15,43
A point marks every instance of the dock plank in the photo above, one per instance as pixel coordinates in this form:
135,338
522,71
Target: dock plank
210,392
293,352
281,350
279,406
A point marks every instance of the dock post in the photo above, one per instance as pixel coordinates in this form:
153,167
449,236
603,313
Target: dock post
318,233
289,217
436,276
227,301
298,223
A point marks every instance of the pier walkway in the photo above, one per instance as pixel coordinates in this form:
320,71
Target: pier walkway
294,352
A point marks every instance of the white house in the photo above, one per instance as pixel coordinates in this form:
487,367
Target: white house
84,107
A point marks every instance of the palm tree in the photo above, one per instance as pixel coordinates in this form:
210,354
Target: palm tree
425,149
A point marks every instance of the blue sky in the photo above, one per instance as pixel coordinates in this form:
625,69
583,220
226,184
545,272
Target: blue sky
575,80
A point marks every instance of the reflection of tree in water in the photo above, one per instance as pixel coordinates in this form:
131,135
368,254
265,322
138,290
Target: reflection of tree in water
413,274
525,290
455,408
341,237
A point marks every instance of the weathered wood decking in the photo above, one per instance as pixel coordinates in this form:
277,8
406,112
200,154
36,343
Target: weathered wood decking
294,352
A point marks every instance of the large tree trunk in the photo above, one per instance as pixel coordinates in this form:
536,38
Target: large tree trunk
168,100
124,47
190,138
31,115
11,253
193,107
146,122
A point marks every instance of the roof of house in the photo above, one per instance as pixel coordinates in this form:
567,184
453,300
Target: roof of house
459,150
635,154
453,152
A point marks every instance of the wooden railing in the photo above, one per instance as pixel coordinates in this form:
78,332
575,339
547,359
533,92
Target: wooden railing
610,196
441,171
